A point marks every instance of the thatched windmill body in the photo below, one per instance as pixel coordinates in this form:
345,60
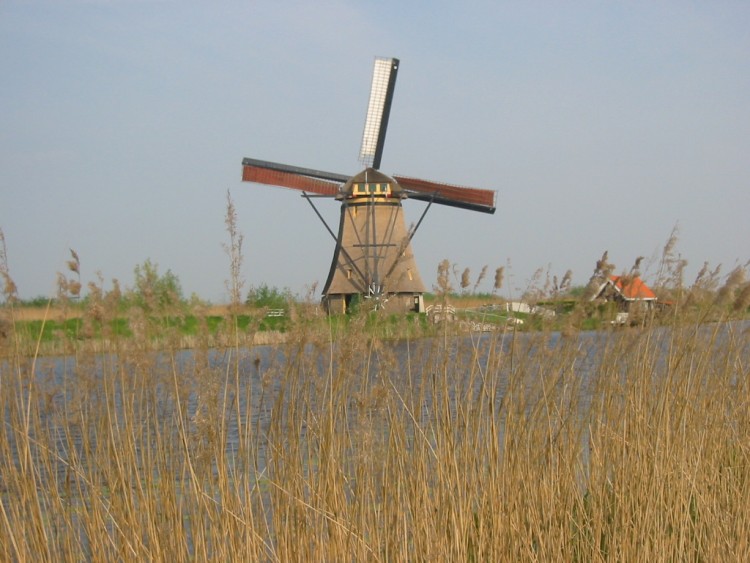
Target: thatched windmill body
373,261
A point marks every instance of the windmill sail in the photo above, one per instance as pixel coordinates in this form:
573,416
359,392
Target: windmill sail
378,111
293,177
474,199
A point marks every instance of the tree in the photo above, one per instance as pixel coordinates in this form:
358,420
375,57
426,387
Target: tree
153,292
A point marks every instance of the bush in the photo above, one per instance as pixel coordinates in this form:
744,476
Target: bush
268,297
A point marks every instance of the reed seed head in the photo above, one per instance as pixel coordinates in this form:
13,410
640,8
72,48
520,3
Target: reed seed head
499,276
465,278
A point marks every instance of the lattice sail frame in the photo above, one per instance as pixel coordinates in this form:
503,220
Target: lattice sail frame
378,111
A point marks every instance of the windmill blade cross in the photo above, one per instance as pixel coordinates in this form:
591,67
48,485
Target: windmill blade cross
373,257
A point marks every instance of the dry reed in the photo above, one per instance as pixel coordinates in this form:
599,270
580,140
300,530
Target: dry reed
610,445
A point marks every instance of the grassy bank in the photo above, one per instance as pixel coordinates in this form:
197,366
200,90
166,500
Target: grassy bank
56,329
53,330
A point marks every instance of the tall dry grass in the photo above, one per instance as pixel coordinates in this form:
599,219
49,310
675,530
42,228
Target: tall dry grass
613,445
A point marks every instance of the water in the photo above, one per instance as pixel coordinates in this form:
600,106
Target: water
191,399
243,386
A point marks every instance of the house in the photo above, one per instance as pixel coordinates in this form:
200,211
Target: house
629,292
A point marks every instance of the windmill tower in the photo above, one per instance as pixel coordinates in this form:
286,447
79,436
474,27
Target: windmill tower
373,261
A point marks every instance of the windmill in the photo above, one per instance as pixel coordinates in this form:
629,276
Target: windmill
373,259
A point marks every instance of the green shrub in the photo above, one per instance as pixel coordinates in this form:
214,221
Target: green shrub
270,297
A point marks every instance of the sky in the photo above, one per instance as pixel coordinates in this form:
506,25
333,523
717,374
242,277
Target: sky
601,125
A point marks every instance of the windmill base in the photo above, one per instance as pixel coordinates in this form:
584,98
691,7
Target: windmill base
342,304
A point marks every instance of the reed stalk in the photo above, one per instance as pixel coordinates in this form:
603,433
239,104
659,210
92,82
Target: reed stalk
619,444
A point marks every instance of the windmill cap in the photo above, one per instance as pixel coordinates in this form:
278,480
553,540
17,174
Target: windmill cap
370,176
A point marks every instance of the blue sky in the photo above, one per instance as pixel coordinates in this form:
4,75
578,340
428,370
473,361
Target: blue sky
601,125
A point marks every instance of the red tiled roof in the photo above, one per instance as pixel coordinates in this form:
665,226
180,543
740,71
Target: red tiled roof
632,288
